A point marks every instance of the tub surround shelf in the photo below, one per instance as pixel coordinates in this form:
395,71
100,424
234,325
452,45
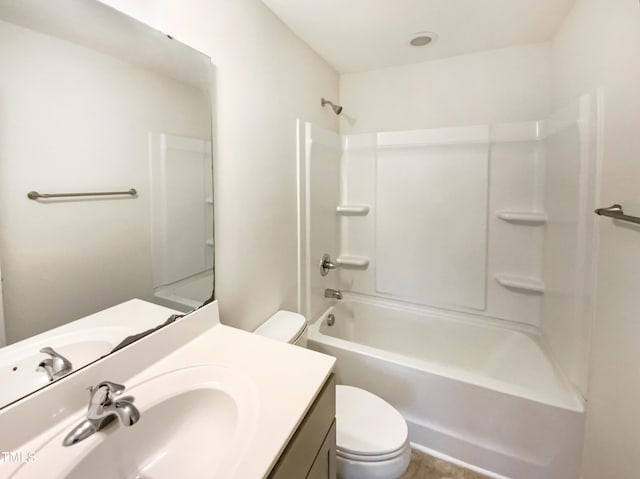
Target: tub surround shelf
352,210
523,217
353,261
522,283
210,242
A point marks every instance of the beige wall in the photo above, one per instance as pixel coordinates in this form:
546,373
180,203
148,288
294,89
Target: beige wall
599,47
265,78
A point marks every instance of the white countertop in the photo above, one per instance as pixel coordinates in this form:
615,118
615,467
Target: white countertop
286,380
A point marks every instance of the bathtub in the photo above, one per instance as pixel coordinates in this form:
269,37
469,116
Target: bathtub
187,294
482,394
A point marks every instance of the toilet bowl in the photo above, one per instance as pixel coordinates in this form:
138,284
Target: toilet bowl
372,438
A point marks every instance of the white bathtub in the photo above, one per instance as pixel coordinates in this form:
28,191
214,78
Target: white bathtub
482,394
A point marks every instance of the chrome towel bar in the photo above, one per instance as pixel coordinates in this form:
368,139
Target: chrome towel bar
616,211
34,195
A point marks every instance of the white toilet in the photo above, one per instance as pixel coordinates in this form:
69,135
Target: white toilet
371,436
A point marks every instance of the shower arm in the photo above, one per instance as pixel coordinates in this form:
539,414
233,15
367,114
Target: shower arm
337,109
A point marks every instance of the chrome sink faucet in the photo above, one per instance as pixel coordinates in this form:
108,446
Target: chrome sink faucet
56,366
332,293
103,409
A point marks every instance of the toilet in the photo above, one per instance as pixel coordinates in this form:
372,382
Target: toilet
372,438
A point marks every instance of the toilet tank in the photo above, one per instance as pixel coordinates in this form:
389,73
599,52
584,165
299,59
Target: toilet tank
286,327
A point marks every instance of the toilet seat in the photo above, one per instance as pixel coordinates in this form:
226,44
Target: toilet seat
380,458
359,438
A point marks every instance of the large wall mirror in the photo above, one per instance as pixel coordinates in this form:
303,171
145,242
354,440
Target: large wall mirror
92,101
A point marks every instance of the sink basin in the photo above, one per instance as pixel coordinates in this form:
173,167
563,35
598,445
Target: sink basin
195,422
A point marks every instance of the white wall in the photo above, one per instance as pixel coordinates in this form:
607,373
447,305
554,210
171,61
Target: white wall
266,78
66,128
598,48
499,86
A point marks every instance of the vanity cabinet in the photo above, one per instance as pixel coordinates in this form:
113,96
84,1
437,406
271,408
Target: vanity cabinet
311,453
324,466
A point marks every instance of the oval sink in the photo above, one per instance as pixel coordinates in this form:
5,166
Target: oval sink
194,423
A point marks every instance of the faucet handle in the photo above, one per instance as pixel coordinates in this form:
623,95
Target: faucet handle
326,264
113,388
64,362
56,366
103,393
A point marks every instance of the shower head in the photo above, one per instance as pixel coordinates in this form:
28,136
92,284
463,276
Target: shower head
336,108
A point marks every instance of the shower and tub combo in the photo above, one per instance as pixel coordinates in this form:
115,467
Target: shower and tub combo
451,261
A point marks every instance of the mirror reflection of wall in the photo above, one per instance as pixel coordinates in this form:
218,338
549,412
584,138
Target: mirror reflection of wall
79,112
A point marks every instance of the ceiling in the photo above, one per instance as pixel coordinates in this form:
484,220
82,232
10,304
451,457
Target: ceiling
359,35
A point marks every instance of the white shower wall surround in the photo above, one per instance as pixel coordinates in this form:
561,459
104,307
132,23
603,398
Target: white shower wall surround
433,235
181,178
421,255
492,221
471,200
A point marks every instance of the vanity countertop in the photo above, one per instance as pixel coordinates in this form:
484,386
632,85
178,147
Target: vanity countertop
287,379
284,381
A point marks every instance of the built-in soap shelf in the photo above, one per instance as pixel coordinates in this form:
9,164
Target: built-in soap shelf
210,242
209,200
523,217
352,261
352,210
522,283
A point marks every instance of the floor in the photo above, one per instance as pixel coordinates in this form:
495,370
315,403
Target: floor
423,466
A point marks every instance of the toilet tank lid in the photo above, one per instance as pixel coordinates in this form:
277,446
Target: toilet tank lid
284,326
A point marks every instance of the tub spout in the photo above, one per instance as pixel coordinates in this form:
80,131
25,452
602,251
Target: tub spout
332,293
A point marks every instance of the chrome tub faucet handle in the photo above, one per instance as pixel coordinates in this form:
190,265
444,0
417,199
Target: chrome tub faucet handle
326,265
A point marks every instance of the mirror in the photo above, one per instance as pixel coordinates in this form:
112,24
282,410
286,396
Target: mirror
115,117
